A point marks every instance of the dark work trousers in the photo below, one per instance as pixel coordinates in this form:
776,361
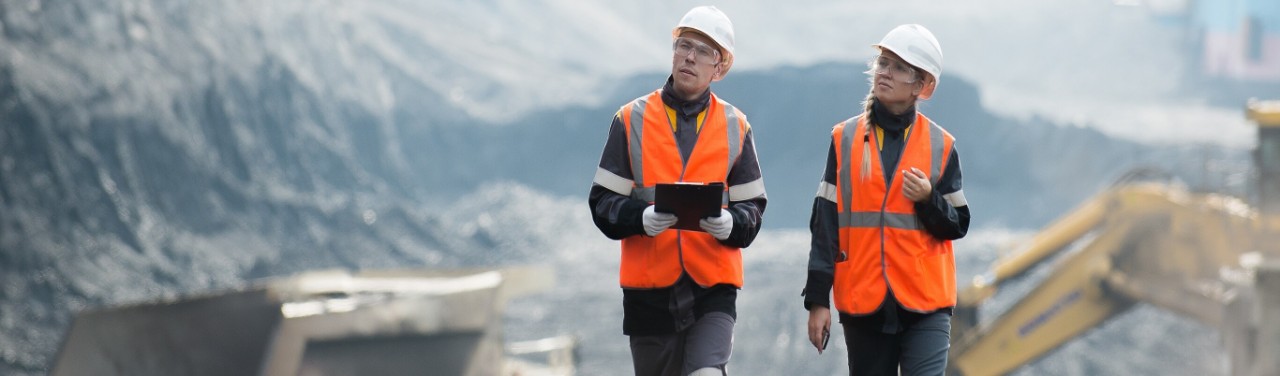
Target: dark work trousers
708,343
920,348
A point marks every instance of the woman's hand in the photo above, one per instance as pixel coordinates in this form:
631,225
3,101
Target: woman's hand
915,185
819,326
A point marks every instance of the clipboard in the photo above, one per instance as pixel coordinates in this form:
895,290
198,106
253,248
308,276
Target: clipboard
690,202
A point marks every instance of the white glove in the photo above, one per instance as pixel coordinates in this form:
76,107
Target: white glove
655,222
719,227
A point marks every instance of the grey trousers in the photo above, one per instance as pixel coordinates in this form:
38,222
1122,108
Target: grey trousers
708,343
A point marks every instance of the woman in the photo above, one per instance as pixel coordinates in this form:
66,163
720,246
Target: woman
887,209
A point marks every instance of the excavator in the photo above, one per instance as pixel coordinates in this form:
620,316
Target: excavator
1207,256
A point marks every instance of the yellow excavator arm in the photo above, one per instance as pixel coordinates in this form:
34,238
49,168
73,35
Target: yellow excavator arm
1151,242
1207,256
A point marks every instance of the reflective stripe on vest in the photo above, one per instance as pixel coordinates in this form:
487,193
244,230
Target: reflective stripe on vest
883,245
657,262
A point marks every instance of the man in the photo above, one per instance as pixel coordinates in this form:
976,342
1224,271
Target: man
679,286
887,209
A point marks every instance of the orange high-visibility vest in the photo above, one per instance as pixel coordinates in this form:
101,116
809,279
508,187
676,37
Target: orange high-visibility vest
656,262
882,243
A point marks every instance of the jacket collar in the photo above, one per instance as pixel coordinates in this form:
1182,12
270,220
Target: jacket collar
684,108
889,122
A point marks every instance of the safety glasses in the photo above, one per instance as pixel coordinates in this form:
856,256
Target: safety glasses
897,69
702,53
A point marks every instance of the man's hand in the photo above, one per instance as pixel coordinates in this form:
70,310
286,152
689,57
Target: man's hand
655,222
819,326
719,227
915,185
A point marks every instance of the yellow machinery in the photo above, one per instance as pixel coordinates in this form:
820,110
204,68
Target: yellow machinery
1267,155
1207,256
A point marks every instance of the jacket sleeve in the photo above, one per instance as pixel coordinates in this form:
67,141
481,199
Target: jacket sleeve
747,198
945,214
824,227
614,212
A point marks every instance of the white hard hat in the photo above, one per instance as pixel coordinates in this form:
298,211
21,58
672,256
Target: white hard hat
917,46
714,24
